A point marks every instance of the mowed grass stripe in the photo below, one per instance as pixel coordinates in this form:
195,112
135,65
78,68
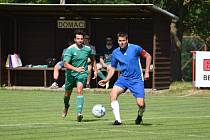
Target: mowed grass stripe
36,115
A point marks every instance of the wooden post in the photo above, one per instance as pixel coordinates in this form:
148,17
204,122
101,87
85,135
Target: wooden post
153,63
193,69
9,77
45,78
0,62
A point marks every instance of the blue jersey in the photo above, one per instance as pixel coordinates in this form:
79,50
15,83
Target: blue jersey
129,61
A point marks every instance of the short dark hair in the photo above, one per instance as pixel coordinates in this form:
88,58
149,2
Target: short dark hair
78,32
109,37
122,34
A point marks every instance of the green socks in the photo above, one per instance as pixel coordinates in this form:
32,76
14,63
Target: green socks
66,101
101,75
80,102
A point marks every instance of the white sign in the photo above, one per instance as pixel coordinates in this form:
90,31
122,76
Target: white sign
202,69
71,24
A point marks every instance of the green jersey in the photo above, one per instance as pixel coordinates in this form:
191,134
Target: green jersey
77,57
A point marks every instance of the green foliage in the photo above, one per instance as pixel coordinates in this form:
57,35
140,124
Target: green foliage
189,44
30,1
197,21
101,1
7,1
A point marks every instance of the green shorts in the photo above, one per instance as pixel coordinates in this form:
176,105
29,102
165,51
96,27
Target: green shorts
71,81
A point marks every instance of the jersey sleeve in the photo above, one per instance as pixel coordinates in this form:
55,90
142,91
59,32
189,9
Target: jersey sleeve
114,61
139,50
67,55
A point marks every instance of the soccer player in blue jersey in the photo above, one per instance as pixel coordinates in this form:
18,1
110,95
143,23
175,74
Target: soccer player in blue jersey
128,56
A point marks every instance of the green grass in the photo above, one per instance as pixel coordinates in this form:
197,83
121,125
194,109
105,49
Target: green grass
36,115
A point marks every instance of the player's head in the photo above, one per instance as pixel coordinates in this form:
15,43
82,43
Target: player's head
79,37
122,39
109,40
86,39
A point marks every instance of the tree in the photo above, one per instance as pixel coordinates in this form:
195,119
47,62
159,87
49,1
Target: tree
198,21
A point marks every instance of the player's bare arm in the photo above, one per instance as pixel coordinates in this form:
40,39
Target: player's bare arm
148,58
109,76
70,67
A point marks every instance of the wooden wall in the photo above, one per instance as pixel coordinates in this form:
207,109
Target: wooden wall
6,44
37,38
161,57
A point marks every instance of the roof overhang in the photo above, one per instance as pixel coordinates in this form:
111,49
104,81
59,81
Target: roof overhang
86,10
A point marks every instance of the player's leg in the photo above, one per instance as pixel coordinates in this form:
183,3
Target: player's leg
79,101
141,105
66,99
116,91
137,88
119,87
69,85
81,80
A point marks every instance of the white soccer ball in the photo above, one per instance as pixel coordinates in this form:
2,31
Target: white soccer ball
98,111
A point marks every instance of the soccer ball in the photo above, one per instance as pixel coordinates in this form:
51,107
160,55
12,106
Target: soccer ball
98,111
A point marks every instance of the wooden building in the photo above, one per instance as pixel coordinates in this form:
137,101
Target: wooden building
37,32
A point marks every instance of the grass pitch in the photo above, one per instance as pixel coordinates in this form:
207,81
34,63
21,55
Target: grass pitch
35,115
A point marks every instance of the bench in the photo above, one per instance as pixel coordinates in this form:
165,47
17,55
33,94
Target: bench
45,70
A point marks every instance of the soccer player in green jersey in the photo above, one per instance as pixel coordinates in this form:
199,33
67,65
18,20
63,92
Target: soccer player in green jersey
75,61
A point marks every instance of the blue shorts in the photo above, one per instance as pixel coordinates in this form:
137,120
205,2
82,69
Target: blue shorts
60,64
136,86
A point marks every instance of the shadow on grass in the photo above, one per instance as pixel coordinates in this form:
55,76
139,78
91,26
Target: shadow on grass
93,120
142,124
149,124
146,124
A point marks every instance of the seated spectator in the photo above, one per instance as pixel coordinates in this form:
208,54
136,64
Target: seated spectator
57,67
105,58
87,42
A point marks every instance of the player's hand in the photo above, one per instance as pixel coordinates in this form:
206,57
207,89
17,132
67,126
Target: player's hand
102,83
146,76
80,69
